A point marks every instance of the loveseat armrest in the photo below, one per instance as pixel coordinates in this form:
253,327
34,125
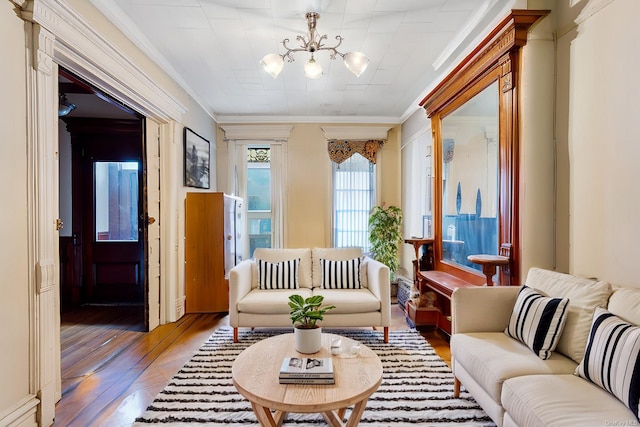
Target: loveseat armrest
379,283
239,287
482,308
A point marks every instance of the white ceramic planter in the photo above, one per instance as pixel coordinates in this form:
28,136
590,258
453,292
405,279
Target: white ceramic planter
307,341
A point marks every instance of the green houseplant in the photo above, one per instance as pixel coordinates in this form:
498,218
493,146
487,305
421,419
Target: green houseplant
304,314
385,235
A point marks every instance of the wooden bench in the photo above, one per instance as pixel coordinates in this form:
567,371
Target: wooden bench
443,285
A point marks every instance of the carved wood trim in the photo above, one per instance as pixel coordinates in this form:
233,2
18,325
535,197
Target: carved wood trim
496,58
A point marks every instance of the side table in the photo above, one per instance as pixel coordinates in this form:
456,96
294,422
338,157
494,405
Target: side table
489,264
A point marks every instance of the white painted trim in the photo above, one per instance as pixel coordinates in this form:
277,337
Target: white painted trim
22,413
356,132
121,20
257,132
464,32
81,48
424,129
308,119
42,207
590,9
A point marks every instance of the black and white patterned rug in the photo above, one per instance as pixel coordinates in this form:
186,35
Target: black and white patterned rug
416,389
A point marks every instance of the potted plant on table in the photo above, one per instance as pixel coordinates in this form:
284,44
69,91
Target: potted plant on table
385,235
305,313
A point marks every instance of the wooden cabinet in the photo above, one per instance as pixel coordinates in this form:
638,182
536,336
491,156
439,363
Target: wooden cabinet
214,235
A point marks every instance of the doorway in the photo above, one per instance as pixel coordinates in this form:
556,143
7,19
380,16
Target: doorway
103,242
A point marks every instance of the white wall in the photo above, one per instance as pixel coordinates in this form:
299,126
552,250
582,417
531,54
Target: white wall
14,229
597,136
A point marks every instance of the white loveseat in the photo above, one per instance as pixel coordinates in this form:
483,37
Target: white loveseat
250,306
515,386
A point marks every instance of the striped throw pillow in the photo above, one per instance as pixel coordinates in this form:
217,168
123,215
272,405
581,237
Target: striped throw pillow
537,321
341,274
612,358
281,275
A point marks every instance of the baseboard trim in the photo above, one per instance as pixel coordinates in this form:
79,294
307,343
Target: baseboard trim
23,414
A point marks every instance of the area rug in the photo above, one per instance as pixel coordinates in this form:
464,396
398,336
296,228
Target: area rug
416,389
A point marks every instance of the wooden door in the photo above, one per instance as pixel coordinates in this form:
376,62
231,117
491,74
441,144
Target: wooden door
108,209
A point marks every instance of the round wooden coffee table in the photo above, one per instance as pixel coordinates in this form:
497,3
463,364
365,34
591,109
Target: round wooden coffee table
256,371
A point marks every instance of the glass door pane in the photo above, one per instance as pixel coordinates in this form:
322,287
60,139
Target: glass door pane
116,195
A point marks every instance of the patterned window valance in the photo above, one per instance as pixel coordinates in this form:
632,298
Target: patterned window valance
341,149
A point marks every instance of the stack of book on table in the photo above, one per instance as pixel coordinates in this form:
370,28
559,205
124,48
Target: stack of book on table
307,370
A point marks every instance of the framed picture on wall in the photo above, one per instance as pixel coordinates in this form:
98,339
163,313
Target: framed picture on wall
196,160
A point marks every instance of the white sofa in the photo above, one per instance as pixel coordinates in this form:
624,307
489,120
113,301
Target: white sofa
515,386
252,307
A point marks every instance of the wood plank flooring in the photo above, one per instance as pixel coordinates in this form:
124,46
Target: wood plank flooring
112,370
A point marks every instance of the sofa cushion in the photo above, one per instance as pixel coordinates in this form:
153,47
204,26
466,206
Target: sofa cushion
277,255
584,296
341,274
272,301
279,275
612,358
336,254
349,300
493,357
625,303
562,400
537,321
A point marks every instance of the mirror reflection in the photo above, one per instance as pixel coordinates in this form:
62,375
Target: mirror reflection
470,179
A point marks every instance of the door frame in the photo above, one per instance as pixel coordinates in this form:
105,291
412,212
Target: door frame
56,34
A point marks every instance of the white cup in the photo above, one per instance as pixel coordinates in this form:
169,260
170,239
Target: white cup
336,346
354,350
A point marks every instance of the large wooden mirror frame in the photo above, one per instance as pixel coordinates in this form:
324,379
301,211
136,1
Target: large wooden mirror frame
495,59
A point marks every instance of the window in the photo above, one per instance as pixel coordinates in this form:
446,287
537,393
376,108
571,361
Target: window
259,197
116,198
353,198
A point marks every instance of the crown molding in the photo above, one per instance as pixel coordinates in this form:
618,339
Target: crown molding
122,21
307,119
257,132
590,9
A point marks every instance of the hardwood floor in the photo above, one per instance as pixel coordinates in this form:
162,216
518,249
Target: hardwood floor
111,370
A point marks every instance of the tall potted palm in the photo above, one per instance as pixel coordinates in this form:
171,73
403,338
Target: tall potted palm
385,235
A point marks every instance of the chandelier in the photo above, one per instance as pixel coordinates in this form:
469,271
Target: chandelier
356,62
64,106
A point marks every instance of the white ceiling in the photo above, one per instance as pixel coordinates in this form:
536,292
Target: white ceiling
212,48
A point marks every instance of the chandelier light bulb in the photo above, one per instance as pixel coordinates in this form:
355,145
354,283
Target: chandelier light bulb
273,64
356,62
312,69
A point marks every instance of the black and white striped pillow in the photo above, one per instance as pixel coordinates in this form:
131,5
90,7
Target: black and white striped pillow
281,275
341,274
612,358
537,321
